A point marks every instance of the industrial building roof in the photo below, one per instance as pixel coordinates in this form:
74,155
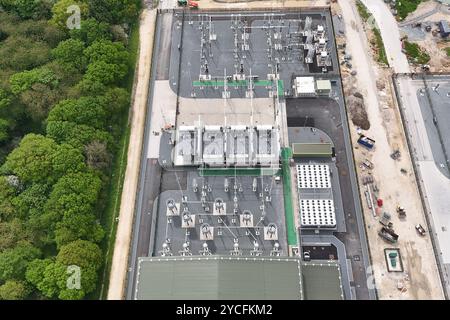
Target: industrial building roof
323,85
305,85
322,281
312,149
230,277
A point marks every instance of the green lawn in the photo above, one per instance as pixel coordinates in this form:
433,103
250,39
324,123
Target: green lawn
416,53
404,7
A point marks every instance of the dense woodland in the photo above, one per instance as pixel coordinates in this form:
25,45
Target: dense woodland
64,97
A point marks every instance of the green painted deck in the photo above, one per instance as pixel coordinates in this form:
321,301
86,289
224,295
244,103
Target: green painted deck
286,155
209,172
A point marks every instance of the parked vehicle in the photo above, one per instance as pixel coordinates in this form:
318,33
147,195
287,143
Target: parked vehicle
420,229
306,256
401,212
388,234
366,142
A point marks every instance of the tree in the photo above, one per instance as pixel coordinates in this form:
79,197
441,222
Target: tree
90,31
105,73
39,99
115,101
41,274
4,130
114,11
80,253
13,262
74,134
67,159
31,201
69,54
5,100
7,192
32,160
23,53
13,290
74,194
60,14
35,270
25,80
84,111
11,232
107,51
97,155
52,279
78,226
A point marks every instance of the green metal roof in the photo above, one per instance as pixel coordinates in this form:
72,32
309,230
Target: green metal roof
312,149
322,281
218,277
228,277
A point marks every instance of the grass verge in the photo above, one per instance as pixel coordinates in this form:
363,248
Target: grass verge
362,11
377,42
405,7
382,57
447,51
118,174
414,52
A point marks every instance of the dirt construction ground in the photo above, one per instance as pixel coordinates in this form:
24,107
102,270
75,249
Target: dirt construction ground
420,279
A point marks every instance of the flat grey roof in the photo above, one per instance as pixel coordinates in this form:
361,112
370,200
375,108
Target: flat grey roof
218,277
228,277
322,281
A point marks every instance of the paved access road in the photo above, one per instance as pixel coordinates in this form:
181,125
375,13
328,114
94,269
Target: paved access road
390,33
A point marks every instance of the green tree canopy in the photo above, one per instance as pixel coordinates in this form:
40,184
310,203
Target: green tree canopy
105,73
69,54
84,111
91,30
60,14
25,80
7,192
31,201
23,53
52,279
31,161
107,51
27,9
14,290
11,232
67,159
78,226
74,134
81,253
13,262
114,11
115,100
4,130
75,194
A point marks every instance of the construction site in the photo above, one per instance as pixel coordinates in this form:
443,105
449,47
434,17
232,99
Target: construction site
247,159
